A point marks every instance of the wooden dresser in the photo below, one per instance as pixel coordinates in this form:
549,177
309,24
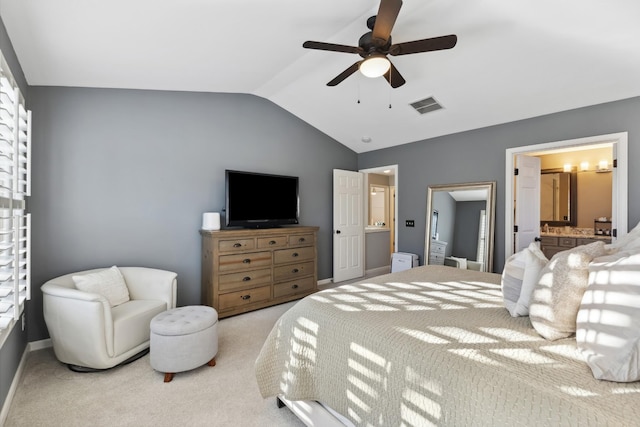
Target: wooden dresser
244,270
437,250
551,245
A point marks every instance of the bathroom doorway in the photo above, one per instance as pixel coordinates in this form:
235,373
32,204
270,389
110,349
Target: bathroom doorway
616,166
380,208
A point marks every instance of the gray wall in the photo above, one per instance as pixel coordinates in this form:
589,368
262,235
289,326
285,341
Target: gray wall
446,207
479,155
123,177
14,347
465,239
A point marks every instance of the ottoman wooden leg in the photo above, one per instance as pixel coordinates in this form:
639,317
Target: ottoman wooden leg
212,362
168,376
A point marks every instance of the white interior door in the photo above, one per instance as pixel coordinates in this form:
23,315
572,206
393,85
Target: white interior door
527,201
348,225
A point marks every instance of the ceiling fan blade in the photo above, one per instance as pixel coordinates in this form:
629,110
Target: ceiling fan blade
343,75
425,45
386,18
331,47
394,77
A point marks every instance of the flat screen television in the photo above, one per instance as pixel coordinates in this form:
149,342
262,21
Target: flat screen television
259,200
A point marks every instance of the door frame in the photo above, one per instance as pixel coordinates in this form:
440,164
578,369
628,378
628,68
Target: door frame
380,170
619,193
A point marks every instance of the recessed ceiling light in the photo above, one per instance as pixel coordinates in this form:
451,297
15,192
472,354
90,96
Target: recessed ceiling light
366,139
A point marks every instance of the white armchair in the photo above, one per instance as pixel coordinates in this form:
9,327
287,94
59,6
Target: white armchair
87,332
463,263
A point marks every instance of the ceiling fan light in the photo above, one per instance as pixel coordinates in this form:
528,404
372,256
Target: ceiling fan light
375,66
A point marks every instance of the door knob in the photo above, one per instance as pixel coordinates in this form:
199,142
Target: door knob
337,231
537,239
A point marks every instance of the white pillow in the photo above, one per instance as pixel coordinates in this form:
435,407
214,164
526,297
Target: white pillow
535,261
109,283
557,295
608,322
511,282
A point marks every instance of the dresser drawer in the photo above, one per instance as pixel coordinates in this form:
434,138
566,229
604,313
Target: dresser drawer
293,270
291,255
436,259
301,240
293,287
243,280
567,242
437,249
245,297
549,241
272,242
236,245
244,261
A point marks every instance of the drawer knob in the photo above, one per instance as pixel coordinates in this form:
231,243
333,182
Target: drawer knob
246,261
237,245
294,286
245,297
301,239
246,279
295,254
272,242
295,270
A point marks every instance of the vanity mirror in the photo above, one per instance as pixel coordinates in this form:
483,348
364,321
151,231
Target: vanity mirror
558,197
465,224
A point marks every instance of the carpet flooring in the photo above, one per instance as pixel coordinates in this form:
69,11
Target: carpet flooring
49,394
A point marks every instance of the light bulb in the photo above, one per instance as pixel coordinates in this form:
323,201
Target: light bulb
375,66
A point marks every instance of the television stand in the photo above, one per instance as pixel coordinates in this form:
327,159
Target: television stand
249,269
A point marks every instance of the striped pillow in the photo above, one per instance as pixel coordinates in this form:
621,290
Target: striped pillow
511,282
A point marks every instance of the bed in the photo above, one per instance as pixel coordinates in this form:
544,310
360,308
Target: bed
432,345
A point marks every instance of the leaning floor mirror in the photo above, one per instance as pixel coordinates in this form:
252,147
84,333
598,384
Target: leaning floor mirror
460,225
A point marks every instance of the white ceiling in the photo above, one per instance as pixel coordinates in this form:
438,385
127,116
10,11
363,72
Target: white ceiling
513,60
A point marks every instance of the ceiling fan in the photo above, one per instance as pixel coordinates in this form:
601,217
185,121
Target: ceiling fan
375,45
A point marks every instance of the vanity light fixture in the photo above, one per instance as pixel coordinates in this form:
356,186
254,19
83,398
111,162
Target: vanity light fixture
567,167
603,166
584,166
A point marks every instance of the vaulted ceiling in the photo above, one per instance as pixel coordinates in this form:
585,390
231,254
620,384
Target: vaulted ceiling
513,59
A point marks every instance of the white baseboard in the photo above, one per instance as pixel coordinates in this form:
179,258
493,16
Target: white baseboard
368,273
32,346
14,386
39,345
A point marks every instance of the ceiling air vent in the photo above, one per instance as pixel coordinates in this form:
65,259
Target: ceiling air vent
426,105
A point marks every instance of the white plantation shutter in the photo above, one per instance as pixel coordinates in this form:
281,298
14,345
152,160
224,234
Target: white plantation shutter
15,185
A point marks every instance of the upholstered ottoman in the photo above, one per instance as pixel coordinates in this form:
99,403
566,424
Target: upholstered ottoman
184,338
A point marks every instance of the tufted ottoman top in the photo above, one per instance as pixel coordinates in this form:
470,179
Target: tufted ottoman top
184,320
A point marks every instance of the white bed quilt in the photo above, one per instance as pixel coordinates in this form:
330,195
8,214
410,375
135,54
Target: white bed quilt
433,345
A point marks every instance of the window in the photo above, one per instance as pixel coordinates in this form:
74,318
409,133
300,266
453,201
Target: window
15,185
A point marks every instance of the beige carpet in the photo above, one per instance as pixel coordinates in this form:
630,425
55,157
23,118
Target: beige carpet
49,394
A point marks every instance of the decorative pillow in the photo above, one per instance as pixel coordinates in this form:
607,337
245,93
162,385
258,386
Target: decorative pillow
511,282
557,295
608,322
535,261
109,283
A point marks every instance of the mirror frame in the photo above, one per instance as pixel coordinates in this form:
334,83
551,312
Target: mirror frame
573,199
490,186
